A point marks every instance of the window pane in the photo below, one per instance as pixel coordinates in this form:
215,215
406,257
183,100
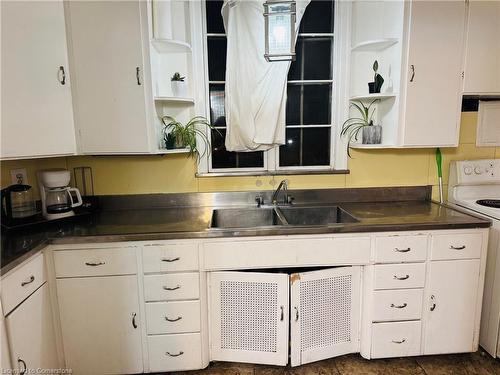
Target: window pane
214,17
314,59
224,159
318,17
308,104
306,147
217,58
217,113
293,105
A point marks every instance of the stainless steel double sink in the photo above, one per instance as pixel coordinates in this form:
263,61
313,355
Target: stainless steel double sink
258,217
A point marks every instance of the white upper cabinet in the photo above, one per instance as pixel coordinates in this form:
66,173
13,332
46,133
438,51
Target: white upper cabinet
482,57
112,94
433,74
37,112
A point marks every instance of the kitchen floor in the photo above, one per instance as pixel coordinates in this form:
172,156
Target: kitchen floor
477,363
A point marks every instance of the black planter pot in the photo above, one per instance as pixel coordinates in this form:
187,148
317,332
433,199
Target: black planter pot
372,89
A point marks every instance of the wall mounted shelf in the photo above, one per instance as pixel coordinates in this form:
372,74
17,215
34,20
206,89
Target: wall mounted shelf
372,146
173,99
374,45
171,46
382,96
173,151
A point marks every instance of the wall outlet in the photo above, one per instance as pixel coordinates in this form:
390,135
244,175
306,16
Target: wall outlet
19,176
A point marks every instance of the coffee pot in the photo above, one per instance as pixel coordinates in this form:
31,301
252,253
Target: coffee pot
58,199
18,205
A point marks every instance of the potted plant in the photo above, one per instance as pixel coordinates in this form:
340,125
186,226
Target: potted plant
178,135
375,86
371,134
179,85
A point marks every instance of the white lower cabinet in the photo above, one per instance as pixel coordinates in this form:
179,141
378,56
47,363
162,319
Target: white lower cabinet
100,324
30,328
396,339
174,352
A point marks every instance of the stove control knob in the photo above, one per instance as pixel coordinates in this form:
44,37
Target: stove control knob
468,170
478,170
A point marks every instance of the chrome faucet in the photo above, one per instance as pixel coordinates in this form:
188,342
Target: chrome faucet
287,199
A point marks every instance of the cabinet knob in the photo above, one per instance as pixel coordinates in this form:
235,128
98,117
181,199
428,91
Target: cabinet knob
134,324
296,313
62,75
138,75
31,279
412,68
282,314
433,303
169,260
24,368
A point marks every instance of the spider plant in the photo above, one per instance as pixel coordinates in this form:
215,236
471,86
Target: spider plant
354,125
185,134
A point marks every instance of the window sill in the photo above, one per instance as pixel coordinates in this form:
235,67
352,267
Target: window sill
274,173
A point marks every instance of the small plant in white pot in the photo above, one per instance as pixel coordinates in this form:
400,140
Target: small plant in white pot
371,134
179,85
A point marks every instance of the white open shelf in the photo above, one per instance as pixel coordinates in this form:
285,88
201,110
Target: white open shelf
372,146
381,96
174,99
174,151
375,45
171,46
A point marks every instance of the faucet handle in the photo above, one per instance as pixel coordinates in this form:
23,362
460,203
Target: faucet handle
259,200
289,199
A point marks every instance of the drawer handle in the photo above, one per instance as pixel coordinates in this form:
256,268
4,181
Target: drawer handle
32,278
457,247
282,314
173,320
399,306
174,288
134,324
402,250
170,259
23,370
94,264
175,355
296,313
399,342
433,303
401,277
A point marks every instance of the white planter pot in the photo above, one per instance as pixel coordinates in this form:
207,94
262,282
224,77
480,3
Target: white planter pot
180,89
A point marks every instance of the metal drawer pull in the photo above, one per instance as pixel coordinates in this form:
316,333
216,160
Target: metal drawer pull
433,306
32,278
399,342
174,355
457,247
21,362
401,278
282,315
402,250
296,313
399,306
134,324
137,75
170,259
174,288
412,68
62,75
173,320
94,264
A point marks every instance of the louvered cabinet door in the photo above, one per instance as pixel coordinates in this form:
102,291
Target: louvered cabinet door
249,317
325,309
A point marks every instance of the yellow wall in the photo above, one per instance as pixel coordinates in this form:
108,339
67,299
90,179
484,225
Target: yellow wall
176,173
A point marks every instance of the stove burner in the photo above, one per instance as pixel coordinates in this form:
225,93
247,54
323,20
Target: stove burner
495,203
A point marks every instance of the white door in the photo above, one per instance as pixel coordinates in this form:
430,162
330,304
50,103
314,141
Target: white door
324,312
482,54
431,110
107,61
249,317
37,112
31,333
451,306
100,324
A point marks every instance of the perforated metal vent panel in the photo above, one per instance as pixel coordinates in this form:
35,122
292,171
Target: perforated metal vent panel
248,315
325,306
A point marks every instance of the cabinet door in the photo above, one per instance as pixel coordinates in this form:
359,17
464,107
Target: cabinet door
100,324
107,60
325,307
37,112
249,317
31,333
4,344
450,318
482,55
434,73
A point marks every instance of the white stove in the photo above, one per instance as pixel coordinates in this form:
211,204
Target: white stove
474,185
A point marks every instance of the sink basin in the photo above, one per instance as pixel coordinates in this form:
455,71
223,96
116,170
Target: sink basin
316,215
244,218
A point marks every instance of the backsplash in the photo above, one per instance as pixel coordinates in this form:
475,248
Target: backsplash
176,174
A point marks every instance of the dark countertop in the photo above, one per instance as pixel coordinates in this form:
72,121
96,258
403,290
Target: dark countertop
193,222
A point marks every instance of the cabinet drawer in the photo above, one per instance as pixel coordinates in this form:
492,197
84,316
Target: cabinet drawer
171,287
394,249
173,317
456,246
21,282
170,257
403,304
399,276
174,352
399,339
95,262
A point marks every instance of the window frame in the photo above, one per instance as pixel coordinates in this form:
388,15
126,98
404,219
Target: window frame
339,109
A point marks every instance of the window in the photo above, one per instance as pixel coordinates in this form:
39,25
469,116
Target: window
310,129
